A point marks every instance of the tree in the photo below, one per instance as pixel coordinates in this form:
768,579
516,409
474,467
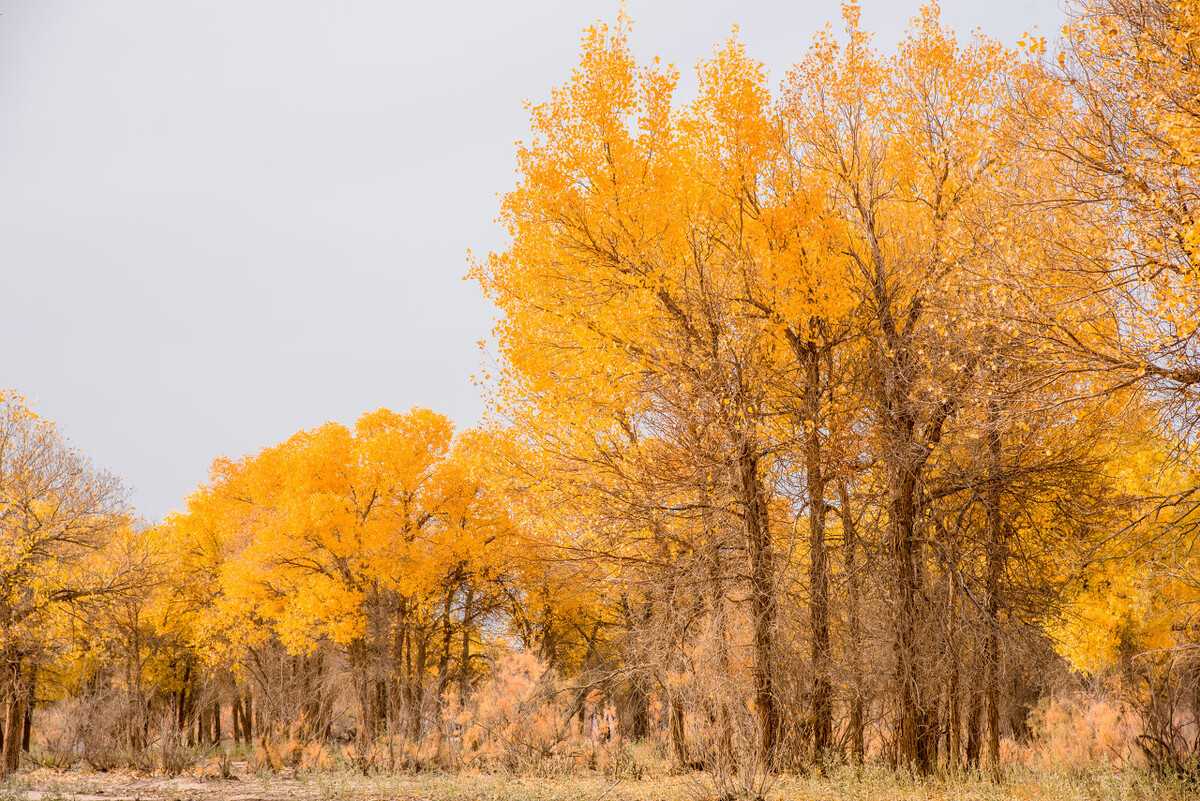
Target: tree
668,267
56,511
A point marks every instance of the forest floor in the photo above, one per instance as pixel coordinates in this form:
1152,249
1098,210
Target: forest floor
841,785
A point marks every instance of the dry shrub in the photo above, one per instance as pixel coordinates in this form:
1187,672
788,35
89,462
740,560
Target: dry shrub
619,762
403,754
99,719
266,756
723,733
217,766
1078,733
172,756
732,769
225,764
291,751
362,759
55,741
518,723
388,753
392,753
649,754
274,752
315,757
95,727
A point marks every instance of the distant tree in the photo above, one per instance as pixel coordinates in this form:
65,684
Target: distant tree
56,514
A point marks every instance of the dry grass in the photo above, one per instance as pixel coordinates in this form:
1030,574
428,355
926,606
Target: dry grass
513,747
840,785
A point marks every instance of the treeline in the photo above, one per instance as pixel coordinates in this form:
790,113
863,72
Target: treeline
847,422
872,369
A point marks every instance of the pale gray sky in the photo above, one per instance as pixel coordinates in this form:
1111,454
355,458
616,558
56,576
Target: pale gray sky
225,220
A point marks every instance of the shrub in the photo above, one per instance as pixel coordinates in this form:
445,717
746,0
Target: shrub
1080,732
519,722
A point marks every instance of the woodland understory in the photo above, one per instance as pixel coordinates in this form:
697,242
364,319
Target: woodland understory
841,442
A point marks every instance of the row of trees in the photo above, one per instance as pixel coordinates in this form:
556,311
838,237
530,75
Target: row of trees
837,422
349,584
879,364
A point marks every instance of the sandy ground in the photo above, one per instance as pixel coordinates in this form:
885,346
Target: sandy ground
43,785
846,785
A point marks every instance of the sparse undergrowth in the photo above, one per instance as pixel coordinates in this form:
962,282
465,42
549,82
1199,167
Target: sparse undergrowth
840,785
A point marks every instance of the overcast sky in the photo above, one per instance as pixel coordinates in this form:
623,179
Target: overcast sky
225,220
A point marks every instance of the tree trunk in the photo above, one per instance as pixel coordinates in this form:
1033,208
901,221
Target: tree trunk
464,657
364,692
134,704
181,699
762,603
444,666
444,657
822,688
677,736
639,710
853,626
974,719
312,718
418,694
248,717
10,754
995,567
235,715
726,757
916,729
953,713
30,703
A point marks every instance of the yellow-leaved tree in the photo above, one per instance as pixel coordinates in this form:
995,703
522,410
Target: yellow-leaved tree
56,513
383,543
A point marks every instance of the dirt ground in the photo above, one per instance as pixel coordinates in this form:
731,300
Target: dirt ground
842,785
77,786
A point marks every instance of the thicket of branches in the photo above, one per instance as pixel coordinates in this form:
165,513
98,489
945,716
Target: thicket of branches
854,421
